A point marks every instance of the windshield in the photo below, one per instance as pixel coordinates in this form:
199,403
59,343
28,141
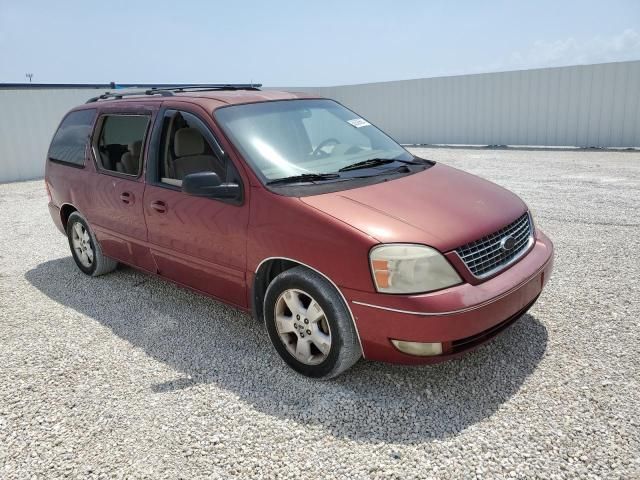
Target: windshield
296,137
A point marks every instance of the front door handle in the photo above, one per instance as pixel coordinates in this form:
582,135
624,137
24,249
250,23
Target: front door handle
159,206
126,197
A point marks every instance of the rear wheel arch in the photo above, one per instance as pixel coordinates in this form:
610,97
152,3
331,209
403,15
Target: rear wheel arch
66,210
270,268
85,248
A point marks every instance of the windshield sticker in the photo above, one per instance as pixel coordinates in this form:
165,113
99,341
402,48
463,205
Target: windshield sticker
358,122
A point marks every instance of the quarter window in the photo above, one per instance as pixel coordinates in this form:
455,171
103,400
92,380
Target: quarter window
119,145
69,144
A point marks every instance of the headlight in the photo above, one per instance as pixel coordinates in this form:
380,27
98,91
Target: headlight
407,268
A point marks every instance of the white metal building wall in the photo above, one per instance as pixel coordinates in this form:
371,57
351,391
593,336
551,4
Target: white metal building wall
585,106
28,120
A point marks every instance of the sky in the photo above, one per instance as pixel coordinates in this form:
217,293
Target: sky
304,43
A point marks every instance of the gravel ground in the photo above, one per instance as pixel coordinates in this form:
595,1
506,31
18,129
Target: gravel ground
129,376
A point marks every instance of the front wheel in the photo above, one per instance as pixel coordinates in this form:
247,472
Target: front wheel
309,324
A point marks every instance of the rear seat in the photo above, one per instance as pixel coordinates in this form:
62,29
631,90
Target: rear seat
130,161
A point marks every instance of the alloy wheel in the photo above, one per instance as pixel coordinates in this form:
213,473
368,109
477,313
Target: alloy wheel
81,242
302,326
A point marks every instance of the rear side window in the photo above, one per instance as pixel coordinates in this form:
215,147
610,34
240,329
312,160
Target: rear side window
70,141
119,145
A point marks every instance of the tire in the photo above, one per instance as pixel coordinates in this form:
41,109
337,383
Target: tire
86,251
300,291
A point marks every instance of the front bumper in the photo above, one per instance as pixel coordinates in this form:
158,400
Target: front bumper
461,317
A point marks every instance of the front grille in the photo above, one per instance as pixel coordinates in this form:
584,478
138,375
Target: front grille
487,255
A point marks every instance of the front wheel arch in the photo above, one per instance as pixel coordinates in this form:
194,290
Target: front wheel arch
270,268
291,328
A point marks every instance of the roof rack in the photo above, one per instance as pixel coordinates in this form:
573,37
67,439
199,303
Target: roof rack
209,86
117,95
170,90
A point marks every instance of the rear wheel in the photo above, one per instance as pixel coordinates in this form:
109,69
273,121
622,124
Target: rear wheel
309,324
85,249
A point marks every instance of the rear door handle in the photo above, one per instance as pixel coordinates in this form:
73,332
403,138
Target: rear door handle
126,197
159,206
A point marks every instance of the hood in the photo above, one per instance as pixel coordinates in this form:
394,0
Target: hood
441,206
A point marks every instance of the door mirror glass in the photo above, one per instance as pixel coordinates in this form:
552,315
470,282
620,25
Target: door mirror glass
208,184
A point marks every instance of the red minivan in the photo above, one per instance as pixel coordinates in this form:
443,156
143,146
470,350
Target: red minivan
296,209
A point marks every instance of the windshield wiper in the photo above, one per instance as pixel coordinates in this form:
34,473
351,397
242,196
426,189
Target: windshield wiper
304,177
374,162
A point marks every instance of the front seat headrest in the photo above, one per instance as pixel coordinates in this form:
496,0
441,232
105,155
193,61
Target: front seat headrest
188,142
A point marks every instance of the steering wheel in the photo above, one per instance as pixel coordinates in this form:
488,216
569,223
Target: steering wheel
318,152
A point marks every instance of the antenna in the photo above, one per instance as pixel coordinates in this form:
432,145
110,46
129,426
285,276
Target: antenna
29,76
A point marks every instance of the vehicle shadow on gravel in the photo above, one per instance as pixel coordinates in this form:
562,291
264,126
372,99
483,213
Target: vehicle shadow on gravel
209,343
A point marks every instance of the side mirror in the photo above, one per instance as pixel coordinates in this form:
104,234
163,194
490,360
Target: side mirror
208,184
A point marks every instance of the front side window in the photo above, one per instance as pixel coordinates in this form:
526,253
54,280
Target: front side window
289,138
69,143
185,149
119,145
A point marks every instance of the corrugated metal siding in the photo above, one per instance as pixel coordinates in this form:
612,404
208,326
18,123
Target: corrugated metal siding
28,120
584,106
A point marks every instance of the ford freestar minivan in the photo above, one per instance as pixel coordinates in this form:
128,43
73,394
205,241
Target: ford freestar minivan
297,209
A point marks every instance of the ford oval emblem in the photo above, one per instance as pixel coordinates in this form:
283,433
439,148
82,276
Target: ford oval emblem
507,243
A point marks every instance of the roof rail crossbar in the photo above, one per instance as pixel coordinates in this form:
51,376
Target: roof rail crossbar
116,95
210,86
169,90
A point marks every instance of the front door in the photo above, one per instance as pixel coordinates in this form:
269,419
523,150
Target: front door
198,242
117,214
